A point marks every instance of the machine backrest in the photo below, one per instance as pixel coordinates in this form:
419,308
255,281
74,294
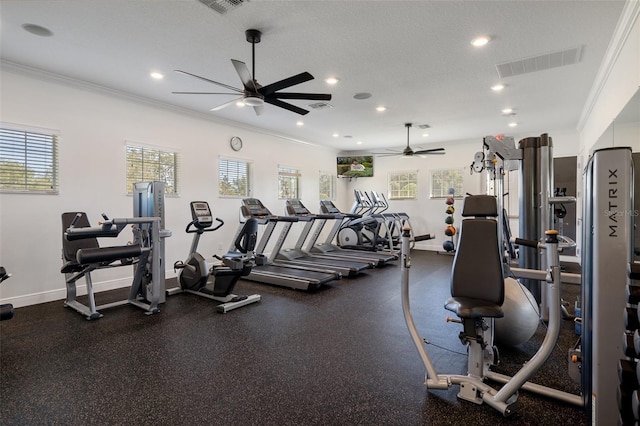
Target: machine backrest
248,236
477,267
70,248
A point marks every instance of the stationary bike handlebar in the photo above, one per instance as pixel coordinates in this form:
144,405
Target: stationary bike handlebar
193,224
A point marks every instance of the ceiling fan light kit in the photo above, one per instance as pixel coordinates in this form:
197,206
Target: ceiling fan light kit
255,95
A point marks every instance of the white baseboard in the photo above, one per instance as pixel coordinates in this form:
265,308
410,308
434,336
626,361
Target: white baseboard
81,289
428,246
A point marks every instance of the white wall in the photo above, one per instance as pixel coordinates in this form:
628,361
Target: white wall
427,215
93,127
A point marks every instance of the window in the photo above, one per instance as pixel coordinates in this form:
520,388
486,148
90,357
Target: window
233,178
443,180
28,161
148,164
403,185
288,183
327,186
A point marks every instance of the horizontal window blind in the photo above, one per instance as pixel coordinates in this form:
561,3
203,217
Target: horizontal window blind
233,178
148,164
28,161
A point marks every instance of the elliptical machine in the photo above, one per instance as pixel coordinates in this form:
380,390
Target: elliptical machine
217,282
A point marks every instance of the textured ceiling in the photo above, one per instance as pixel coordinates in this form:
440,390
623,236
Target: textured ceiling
414,57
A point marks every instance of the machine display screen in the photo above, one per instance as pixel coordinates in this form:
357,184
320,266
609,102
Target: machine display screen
201,209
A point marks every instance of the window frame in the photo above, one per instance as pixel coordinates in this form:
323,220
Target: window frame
457,184
47,160
171,190
331,180
390,191
288,174
247,174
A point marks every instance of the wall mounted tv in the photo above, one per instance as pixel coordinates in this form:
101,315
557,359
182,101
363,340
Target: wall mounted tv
355,166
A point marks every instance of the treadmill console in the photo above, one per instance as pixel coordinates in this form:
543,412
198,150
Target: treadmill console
327,206
201,214
255,207
296,208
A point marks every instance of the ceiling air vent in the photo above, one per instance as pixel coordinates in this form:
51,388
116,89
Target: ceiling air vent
320,105
546,61
222,6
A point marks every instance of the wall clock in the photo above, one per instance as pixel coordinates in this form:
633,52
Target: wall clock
236,143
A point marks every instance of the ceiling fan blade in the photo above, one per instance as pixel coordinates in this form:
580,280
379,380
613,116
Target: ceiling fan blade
224,105
433,151
286,105
307,96
386,154
245,75
283,84
210,81
203,93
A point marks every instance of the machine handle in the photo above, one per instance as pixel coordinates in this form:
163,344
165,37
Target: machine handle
75,220
523,242
188,230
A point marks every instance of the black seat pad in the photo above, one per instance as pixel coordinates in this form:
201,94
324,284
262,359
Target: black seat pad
467,307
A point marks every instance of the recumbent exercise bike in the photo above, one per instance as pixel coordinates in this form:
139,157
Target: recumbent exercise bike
217,283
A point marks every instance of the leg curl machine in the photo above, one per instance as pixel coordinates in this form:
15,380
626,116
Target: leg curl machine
81,255
477,294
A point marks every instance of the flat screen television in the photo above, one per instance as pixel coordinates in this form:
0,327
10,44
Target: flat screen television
355,166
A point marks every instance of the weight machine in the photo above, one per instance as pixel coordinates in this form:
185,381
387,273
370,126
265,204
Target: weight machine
82,254
477,295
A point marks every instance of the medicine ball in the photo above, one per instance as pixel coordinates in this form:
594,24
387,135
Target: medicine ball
449,201
448,246
449,231
452,191
450,210
448,220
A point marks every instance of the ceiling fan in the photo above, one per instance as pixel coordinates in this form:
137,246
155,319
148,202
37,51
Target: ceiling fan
254,94
409,152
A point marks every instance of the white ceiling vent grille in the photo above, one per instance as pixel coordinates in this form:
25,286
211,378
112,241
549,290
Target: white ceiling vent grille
541,62
222,6
320,105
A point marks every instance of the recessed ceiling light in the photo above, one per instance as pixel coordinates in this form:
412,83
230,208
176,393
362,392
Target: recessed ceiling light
497,87
157,75
480,41
332,80
37,30
240,104
335,135
424,135
362,95
513,124
381,108
359,142
507,111
299,123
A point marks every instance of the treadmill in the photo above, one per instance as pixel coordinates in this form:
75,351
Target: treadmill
268,273
297,256
330,211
